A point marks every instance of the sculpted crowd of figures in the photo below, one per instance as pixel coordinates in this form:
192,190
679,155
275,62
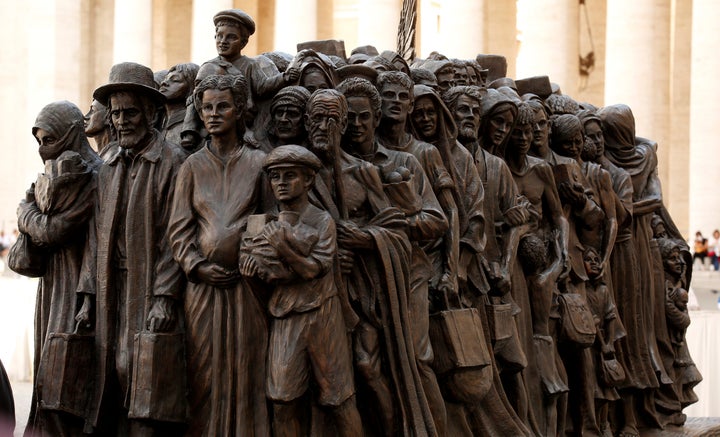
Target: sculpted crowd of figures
362,246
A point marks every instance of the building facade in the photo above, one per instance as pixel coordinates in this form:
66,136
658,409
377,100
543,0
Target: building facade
657,56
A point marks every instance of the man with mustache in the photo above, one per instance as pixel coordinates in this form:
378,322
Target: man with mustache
132,281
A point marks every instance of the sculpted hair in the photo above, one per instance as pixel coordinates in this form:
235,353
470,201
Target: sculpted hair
451,96
667,246
532,252
359,87
537,105
188,72
332,94
525,115
561,104
236,84
420,75
564,126
397,77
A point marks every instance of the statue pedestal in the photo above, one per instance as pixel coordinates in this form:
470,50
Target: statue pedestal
694,427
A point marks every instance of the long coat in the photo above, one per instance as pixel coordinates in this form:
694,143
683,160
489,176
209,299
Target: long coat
151,270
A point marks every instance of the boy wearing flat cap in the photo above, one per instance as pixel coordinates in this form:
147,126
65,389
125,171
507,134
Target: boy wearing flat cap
233,28
308,333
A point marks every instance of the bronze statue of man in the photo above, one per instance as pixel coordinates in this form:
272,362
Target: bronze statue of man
131,279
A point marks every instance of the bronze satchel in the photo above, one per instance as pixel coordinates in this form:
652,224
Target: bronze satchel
159,385
65,376
500,320
577,324
611,372
458,339
26,258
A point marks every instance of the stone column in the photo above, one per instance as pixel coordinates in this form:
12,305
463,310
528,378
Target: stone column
461,28
203,29
676,193
704,110
378,23
637,70
501,31
133,32
295,22
549,41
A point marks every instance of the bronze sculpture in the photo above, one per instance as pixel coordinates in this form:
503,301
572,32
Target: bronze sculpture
376,259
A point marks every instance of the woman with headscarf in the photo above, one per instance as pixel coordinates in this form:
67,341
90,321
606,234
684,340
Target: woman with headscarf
498,118
54,218
638,157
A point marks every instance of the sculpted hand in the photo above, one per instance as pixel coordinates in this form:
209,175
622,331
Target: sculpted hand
448,285
291,74
216,275
83,317
346,261
162,316
350,235
276,234
248,266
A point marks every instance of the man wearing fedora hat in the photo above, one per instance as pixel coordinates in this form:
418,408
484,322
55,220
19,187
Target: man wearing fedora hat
131,277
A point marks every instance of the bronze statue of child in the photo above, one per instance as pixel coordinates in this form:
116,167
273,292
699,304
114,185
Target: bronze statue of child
308,340
609,373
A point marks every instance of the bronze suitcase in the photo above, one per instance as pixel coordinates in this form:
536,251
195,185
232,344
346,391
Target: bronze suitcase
66,371
457,339
500,320
159,387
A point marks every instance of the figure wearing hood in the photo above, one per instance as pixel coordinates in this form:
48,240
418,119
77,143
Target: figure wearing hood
54,217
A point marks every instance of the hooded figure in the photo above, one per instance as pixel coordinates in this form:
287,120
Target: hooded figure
53,220
316,70
638,156
494,137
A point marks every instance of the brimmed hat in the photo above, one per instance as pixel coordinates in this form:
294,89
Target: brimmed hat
291,156
357,70
237,15
129,76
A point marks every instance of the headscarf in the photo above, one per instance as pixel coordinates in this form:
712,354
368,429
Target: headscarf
294,95
493,103
618,125
64,121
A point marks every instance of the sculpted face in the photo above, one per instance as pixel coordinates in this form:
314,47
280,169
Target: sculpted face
229,41
313,79
396,102
425,118
287,122
362,121
129,119
674,263
571,146
541,132
95,120
521,138
49,148
467,117
472,76
218,112
591,260
461,75
499,126
324,126
445,78
594,135
288,183
174,87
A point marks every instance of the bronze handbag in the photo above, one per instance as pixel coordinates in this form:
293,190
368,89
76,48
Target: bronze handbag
26,258
159,385
611,372
577,324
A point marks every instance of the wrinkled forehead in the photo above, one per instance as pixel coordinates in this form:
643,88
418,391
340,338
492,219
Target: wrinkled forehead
325,106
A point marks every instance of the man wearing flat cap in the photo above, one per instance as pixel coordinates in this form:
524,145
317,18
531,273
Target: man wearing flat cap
131,279
307,333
